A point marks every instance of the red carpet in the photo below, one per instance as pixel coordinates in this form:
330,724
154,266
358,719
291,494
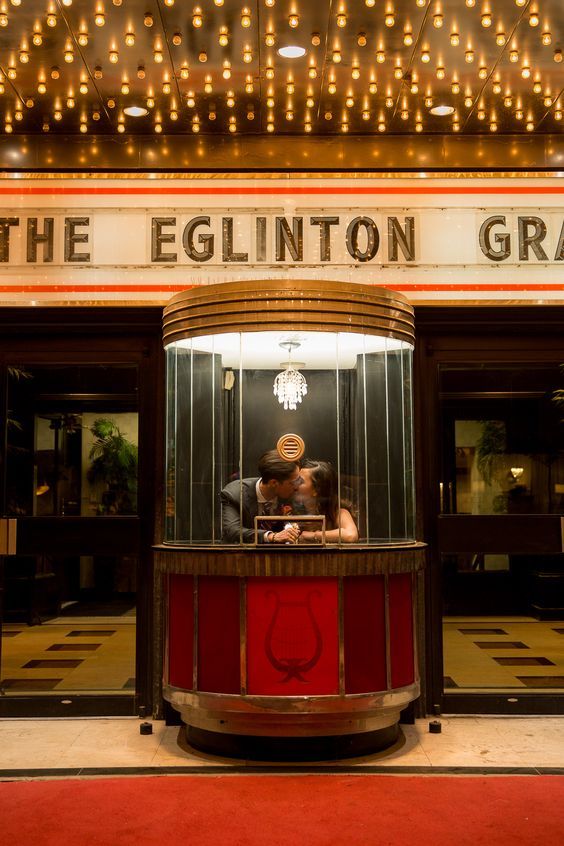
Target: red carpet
285,810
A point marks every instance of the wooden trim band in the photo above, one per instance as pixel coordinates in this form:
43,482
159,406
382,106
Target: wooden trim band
272,304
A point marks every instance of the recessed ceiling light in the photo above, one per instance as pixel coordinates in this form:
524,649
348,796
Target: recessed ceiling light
136,111
442,110
291,51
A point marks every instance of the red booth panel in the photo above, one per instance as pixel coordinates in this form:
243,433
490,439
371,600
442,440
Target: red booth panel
365,634
401,630
218,635
180,631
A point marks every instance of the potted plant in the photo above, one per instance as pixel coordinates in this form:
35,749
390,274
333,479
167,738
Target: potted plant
114,463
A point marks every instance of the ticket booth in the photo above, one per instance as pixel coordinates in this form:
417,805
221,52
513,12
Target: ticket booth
304,647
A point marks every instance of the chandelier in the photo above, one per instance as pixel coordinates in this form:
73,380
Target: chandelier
290,385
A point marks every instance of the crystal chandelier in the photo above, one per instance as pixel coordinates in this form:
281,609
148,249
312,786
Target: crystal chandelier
290,385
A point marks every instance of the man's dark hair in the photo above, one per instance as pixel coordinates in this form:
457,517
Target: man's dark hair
271,466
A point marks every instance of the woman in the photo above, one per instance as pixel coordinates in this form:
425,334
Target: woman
318,494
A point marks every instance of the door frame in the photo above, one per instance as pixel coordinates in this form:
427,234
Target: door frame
89,336
464,335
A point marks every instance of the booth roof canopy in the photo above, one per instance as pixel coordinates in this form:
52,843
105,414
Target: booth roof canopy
214,67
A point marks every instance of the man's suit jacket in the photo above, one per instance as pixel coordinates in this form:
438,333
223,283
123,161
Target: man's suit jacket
232,514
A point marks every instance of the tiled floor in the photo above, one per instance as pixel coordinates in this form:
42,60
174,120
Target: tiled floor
503,653
465,742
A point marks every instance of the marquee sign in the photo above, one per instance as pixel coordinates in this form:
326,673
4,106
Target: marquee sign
143,239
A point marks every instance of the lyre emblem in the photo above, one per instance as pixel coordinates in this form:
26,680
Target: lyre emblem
293,643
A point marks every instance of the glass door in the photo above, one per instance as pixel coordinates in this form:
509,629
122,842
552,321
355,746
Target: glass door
501,545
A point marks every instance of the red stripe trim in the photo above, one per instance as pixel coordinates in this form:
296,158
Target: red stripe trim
139,289
37,190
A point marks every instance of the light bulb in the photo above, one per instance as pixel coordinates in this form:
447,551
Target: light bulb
389,19
437,21
454,39
408,39
293,21
486,20
197,18
500,39
546,38
341,20
130,39
469,56
99,19
113,56
246,18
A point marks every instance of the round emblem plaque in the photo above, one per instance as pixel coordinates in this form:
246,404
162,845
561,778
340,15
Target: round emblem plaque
290,447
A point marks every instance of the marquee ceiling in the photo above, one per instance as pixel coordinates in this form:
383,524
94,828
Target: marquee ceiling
370,67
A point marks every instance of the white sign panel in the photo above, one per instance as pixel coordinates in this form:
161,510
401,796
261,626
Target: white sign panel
125,240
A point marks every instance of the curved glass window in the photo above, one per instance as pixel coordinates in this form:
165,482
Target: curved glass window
229,401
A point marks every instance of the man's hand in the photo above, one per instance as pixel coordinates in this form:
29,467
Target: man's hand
287,535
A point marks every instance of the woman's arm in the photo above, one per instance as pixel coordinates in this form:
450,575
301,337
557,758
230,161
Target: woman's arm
346,531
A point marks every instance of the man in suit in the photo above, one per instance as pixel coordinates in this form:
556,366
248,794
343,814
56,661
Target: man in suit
243,500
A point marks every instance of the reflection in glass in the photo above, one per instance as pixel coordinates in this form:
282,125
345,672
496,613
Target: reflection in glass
222,415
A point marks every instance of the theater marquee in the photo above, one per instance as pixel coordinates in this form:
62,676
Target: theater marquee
143,239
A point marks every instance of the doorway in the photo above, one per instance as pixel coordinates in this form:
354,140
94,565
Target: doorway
81,417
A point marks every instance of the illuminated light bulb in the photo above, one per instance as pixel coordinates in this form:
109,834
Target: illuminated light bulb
469,56
312,72
57,114
508,102
250,113
4,19
82,39
455,39
419,126
370,3
246,18
293,21
414,88
533,19
404,114
486,20
111,103
425,56
177,39
455,126
12,73
150,103
249,87
380,56
428,102
55,73
69,56
99,19
438,21
398,72
269,39
547,102
332,87
381,126
455,87
41,88
270,127
496,87
70,103
389,19
307,127
341,20
219,2
130,39
184,72
208,87
190,100
481,114
166,87
470,3
84,128
230,100
113,56
310,102
328,115
37,39
197,18
525,72
158,56
519,114
8,128
558,115
361,39
269,72
355,72
173,114
51,19
141,72
290,87
468,102
493,126
349,102
546,38
366,114
389,102
373,88
315,39
148,19
520,2
557,56
483,73
18,115
158,128
247,56
24,57
513,55
45,127
336,56
344,127
169,2
530,126
441,73
223,36
226,72
96,115
408,38
289,114
500,39
537,88
83,88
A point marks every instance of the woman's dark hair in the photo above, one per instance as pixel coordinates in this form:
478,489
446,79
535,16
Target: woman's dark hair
326,486
271,466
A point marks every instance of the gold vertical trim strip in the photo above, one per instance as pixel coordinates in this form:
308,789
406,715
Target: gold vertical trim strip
414,634
388,637
195,636
243,634
341,612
